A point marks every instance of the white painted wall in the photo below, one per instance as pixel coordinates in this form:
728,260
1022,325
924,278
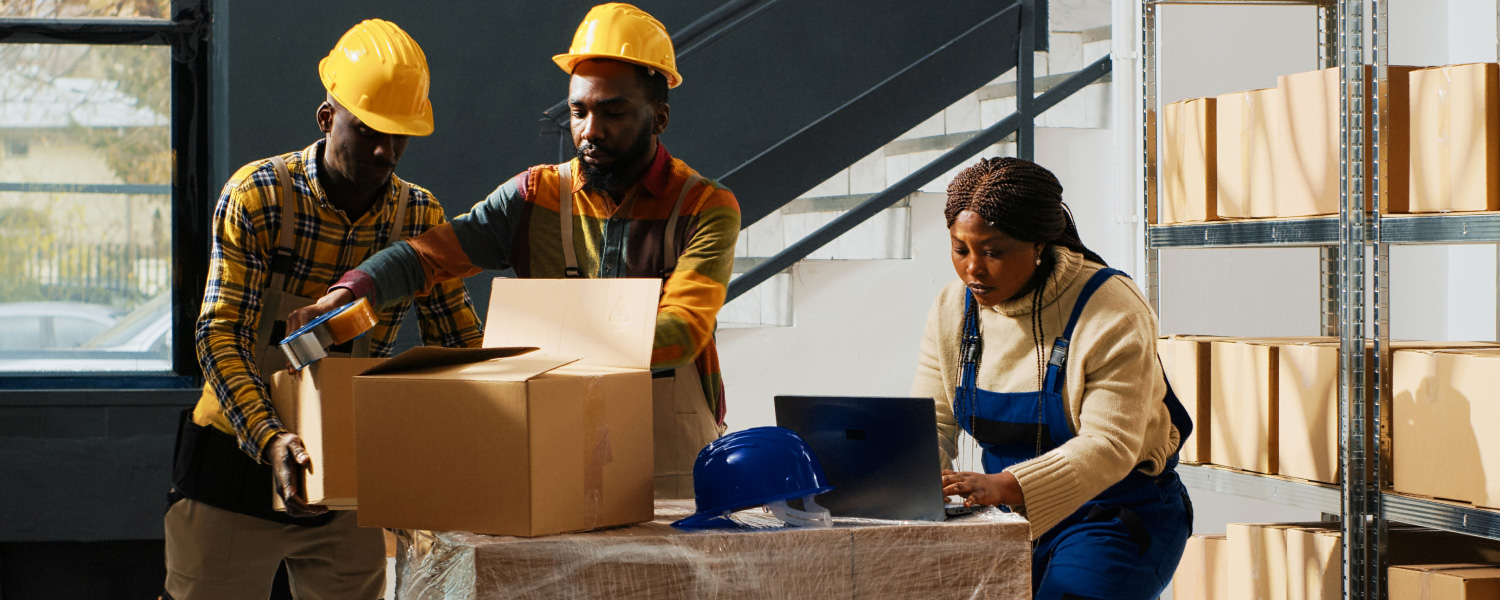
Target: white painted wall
858,323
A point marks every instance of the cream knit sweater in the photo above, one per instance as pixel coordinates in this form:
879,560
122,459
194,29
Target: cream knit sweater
1113,390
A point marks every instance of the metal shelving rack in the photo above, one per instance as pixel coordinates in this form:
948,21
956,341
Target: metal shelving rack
1345,242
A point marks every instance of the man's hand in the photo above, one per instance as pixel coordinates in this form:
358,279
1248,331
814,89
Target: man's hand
302,316
288,461
979,488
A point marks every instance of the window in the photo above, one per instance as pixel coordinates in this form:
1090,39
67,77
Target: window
94,125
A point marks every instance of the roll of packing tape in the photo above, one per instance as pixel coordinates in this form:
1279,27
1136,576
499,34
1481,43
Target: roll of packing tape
308,344
351,321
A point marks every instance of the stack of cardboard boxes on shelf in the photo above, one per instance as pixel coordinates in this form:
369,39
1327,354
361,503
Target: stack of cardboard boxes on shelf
1301,561
1274,153
1270,406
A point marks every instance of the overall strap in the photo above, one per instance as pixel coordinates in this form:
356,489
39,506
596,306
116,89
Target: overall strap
1058,360
284,242
1101,276
970,350
565,214
669,248
403,199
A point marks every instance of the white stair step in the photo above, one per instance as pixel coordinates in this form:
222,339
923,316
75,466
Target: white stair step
766,305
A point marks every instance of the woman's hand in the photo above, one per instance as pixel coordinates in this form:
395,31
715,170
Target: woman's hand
979,488
302,316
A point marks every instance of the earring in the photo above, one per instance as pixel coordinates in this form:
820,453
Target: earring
1038,260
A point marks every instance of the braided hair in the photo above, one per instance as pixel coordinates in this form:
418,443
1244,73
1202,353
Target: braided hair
1018,197
1024,201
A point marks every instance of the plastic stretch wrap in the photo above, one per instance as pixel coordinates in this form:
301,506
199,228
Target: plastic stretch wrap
984,555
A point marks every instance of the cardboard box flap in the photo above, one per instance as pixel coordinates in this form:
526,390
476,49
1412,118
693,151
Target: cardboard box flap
429,357
1460,570
608,322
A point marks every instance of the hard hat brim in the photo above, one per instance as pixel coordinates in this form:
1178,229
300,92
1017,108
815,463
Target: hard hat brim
569,62
419,125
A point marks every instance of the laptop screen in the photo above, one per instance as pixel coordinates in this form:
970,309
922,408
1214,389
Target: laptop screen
880,454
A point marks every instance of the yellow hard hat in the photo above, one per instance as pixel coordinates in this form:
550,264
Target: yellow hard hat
620,31
380,74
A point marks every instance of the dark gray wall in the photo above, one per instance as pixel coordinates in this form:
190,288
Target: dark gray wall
492,76
95,465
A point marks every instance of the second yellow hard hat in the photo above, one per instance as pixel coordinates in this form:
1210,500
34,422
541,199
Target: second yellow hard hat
380,74
620,31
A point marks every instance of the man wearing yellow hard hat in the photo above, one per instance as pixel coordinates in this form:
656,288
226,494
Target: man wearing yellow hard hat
629,209
284,229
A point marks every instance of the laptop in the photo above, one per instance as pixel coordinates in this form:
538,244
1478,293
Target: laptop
880,454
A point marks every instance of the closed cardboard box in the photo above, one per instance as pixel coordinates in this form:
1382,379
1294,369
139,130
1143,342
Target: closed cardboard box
1203,573
317,404
1308,402
1455,133
1243,412
1315,556
508,441
1189,167
1445,411
1246,144
1187,360
1258,559
1314,559
1444,582
1307,153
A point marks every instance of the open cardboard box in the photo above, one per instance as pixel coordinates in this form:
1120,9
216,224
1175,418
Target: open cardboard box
546,430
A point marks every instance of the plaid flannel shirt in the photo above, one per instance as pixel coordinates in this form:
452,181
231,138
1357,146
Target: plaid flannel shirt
246,225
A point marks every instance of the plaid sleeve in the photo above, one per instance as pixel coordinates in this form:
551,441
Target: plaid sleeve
239,264
446,315
693,295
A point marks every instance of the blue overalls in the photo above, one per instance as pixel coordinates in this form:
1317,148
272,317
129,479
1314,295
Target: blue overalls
1126,542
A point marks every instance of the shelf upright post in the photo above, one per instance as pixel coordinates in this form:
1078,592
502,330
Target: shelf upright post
1328,256
1149,151
1376,539
1360,506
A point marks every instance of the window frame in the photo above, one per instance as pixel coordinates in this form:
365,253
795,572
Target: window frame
187,34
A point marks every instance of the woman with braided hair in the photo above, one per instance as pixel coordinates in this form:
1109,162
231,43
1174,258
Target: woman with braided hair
1048,359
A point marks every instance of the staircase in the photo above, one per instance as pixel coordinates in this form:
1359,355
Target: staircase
887,236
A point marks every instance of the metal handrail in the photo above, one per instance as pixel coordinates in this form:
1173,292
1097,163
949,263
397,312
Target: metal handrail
913,182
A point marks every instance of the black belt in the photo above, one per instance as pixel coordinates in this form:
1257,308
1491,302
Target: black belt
209,467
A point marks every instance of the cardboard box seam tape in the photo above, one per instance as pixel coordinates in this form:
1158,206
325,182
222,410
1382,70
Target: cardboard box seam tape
309,344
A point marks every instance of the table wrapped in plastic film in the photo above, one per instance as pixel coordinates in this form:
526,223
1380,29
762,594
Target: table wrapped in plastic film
983,555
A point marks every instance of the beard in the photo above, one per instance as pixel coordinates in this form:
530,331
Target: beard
612,177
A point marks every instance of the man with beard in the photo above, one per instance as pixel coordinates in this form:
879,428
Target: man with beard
628,209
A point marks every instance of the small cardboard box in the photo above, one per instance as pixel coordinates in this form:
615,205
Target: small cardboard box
1246,144
1307,153
317,404
1455,138
1314,562
1308,402
1444,582
506,441
1203,573
1258,552
1187,360
1243,390
1444,412
1189,167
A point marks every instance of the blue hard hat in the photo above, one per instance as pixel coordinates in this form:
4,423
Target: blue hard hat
749,468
